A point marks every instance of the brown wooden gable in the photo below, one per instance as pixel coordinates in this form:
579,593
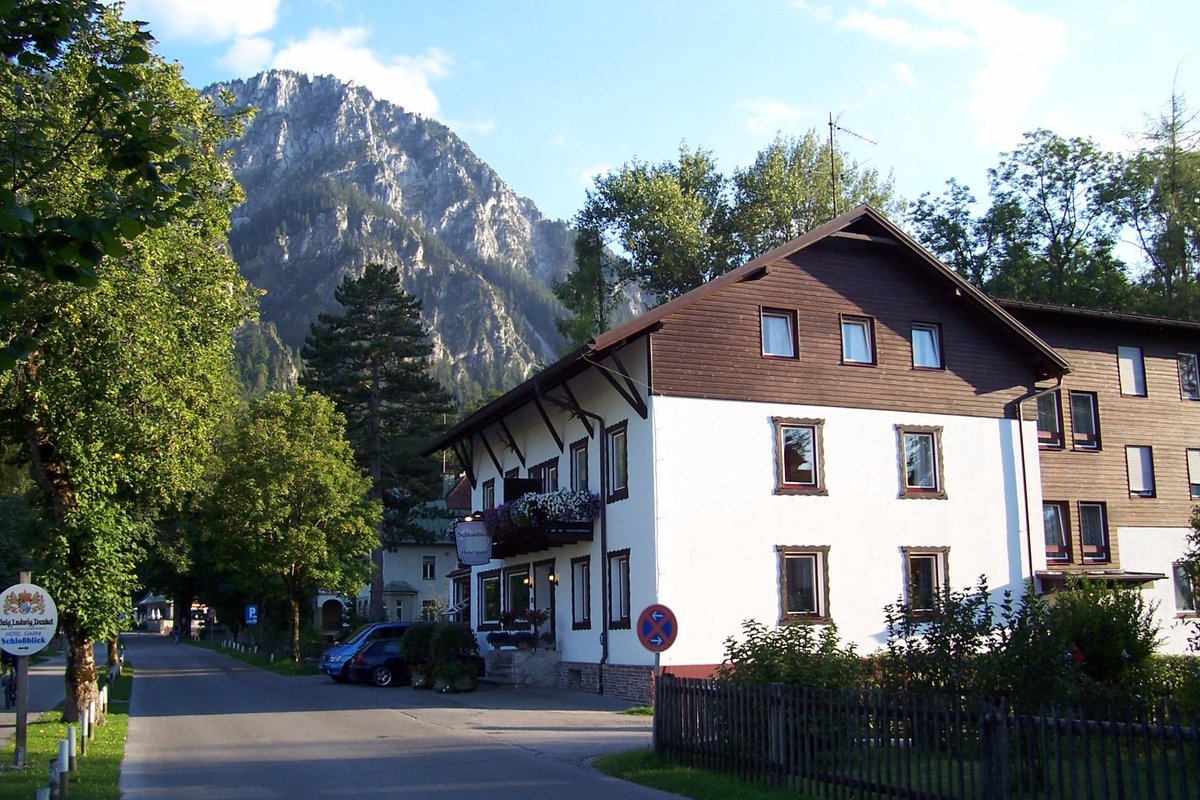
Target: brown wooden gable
706,343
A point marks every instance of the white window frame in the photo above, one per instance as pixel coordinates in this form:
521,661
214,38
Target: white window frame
1050,438
486,578
1094,553
867,340
1085,441
428,568
1189,384
1193,467
618,590
773,344
1064,532
933,332
1139,466
581,593
1185,592
616,439
816,559
1131,367
579,465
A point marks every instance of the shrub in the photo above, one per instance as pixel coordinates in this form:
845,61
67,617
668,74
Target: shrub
798,655
1112,628
499,638
417,641
453,649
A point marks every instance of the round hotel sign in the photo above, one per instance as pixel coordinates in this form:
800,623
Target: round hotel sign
28,619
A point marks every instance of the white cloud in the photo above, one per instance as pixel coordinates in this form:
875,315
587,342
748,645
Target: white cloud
248,56
904,74
587,176
765,116
205,20
403,80
483,126
1016,51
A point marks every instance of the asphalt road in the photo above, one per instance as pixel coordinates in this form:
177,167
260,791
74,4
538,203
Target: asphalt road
206,726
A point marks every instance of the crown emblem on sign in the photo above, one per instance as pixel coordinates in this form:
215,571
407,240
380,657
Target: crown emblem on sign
24,602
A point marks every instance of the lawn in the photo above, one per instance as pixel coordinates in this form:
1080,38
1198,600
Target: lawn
645,768
96,773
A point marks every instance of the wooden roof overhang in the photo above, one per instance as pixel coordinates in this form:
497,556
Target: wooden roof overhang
862,224
1164,323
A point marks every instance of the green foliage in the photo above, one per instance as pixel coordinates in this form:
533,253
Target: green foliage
92,154
452,648
290,512
417,644
1112,627
799,655
591,290
372,361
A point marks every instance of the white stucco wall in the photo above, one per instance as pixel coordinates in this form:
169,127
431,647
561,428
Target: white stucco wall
719,521
1155,550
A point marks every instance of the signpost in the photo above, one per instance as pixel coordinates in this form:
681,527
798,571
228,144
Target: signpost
28,620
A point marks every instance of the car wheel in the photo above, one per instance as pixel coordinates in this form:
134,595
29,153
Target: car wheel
381,676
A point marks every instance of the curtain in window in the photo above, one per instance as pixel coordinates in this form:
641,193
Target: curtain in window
856,345
1052,522
925,348
777,335
1189,376
1091,521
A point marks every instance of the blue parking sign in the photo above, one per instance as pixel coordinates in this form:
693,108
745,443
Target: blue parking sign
251,614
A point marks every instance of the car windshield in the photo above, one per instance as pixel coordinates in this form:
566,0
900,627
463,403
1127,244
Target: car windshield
356,636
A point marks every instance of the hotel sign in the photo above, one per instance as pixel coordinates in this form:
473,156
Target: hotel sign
474,543
28,619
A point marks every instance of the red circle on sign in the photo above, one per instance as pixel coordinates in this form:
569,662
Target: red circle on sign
657,628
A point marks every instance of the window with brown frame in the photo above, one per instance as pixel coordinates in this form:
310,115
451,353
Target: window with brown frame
489,599
617,442
778,333
489,493
926,338
1085,421
1057,531
803,583
547,473
858,340
1093,531
618,589
799,463
581,593
1049,421
1131,369
1139,466
920,449
579,465
926,572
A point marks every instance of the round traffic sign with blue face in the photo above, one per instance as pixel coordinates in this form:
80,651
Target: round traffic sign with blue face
657,628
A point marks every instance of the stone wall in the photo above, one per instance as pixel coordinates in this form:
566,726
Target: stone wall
632,683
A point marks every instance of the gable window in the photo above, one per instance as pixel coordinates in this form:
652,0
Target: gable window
1054,521
547,473
1085,421
579,465
1193,465
489,598
927,346
920,461
618,461
1189,377
1093,530
489,493
858,340
618,589
428,568
803,583
925,573
1132,368
1049,420
1139,462
798,461
581,593
778,333
1185,597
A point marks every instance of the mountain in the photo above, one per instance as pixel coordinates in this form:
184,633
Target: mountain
336,179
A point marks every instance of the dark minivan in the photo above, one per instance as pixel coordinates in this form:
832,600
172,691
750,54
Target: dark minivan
335,662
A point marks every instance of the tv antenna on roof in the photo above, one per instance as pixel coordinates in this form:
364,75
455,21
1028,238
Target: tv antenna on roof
832,168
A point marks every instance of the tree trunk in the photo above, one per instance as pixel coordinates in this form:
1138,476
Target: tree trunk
113,653
80,678
295,630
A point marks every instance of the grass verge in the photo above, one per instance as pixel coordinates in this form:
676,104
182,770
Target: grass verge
647,769
96,774
280,666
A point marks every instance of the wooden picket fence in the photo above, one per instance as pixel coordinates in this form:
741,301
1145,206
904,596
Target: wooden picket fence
876,744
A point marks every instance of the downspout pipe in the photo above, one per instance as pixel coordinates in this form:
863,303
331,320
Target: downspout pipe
1024,467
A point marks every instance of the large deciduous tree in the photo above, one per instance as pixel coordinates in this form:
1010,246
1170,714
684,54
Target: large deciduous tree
290,512
372,360
667,228
88,159
123,388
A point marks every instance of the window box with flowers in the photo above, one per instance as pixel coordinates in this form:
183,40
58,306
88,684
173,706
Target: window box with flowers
539,520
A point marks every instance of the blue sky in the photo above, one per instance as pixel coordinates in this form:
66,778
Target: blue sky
551,94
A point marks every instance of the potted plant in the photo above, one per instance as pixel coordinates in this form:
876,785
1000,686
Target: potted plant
416,648
524,640
508,619
498,639
536,617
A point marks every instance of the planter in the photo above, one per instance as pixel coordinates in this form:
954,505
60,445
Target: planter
421,679
462,683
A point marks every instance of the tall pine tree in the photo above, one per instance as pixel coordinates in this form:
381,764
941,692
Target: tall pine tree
372,360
